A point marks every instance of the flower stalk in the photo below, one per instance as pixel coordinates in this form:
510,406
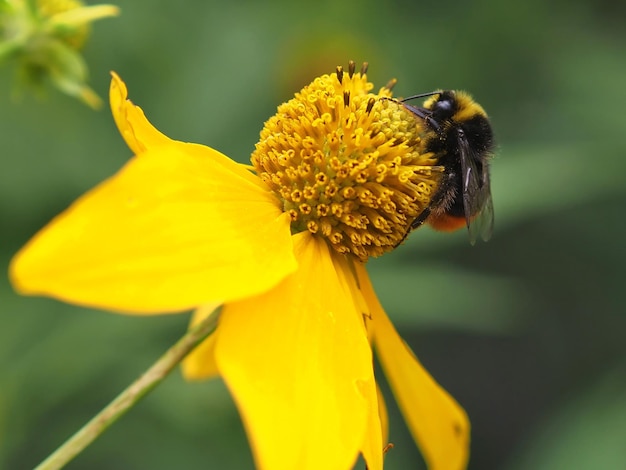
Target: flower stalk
131,396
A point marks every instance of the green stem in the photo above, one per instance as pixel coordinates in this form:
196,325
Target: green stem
129,397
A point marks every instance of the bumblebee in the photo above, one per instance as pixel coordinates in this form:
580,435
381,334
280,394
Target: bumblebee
457,131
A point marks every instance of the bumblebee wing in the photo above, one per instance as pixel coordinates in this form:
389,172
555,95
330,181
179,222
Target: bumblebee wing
477,202
482,223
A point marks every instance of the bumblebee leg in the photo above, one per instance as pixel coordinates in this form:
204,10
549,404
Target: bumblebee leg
424,114
420,219
418,222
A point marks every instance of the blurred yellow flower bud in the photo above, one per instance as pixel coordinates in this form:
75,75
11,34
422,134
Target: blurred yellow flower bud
44,41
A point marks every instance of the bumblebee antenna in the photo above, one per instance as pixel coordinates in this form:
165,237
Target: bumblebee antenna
422,95
423,113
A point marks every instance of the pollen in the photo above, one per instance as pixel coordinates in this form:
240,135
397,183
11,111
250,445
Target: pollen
345,164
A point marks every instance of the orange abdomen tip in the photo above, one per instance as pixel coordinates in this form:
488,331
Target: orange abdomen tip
446,223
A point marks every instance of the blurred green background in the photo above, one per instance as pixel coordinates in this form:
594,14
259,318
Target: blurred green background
528,331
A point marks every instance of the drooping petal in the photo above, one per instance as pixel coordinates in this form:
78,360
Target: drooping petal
438,424
171,231
372,448
137,131
376,435
384,415
140,135
200,363
299,366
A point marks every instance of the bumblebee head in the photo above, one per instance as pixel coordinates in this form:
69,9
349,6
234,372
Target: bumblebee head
443,105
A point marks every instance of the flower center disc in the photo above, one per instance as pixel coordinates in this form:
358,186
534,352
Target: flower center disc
345,164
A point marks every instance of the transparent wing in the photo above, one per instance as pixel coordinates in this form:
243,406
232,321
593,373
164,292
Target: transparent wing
477,202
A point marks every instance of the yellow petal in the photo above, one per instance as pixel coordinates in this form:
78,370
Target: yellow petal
200,363
373,445
377,423
171,231
81,16
299,366
384,416
438,424
140,135
137,131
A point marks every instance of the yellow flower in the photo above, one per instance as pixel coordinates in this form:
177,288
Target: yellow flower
337,177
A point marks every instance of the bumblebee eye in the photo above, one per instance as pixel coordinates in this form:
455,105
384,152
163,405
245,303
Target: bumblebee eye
444,106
